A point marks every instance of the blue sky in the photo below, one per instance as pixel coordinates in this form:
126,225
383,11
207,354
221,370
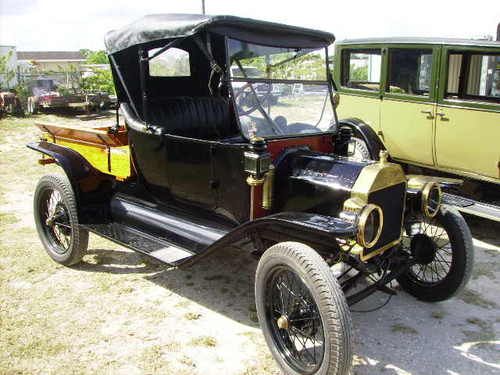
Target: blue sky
71,25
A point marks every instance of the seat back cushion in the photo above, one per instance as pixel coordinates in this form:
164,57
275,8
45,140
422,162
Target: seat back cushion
194,117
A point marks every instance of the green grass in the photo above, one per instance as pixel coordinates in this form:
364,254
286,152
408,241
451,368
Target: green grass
206,341
401,328
473,298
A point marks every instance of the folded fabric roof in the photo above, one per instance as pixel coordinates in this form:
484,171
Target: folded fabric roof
169,26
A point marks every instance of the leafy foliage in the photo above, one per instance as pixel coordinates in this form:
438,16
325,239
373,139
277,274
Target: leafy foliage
100,81
7,74
95,57
358,73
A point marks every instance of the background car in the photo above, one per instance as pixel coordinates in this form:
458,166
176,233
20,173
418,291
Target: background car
432,103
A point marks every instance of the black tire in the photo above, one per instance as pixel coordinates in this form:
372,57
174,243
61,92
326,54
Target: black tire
453,260
56,219
325,303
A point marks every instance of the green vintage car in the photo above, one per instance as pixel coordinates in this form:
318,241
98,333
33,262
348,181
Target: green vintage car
432,103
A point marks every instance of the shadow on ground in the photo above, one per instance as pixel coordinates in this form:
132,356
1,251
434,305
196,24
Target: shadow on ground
459,336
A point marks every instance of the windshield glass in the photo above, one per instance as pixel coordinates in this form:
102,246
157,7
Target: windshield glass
280,91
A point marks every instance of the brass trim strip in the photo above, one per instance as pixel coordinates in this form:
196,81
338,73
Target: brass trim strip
364,257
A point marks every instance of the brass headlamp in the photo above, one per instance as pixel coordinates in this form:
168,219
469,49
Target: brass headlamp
431,198
369,219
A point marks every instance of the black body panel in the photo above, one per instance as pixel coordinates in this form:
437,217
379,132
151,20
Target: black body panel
312,182
174,236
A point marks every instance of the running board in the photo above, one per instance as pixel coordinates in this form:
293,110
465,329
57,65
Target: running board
472,207
144,243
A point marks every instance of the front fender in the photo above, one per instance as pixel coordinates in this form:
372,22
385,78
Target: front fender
368,135
317,231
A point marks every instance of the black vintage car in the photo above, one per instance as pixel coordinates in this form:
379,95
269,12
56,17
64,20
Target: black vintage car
189,173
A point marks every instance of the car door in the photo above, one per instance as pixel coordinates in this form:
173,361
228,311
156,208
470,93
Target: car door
468,112
407,109
358,70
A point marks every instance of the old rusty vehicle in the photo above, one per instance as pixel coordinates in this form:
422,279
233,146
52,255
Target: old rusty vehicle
433,104
187,174
9,103
45,94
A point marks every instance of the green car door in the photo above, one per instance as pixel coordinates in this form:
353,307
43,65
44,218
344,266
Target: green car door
408,105
468,112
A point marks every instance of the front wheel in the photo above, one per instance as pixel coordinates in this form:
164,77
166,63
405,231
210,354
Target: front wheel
444,255
56,220
302,311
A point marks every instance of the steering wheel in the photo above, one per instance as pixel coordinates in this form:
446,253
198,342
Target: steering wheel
249,99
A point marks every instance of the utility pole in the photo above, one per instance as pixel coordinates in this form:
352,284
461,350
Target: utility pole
203,7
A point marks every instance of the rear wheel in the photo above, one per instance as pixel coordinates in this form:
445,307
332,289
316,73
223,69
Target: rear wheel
56,220
444,254
302,311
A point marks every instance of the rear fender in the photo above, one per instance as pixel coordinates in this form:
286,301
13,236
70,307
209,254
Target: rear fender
76,167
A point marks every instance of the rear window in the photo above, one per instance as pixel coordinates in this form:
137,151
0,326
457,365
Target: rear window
361,69
173,62
473,76
410,71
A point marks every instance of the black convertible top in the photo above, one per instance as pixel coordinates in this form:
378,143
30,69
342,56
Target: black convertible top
169,26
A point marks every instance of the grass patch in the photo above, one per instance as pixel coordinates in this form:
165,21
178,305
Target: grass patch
152,361
486,330
401,328
438,314
207,341
192,316
473,298
484,269
6,218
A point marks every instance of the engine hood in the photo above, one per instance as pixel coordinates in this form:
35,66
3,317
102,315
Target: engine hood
313,182
320,183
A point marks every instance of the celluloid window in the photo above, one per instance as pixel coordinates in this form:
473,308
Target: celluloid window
361,69
473,77
410,71
173,62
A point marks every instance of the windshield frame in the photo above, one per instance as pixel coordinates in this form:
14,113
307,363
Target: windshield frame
328,82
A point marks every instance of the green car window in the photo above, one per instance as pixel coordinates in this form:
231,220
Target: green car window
473,76
361,69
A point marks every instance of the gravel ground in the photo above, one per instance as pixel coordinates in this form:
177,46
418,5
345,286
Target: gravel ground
119,313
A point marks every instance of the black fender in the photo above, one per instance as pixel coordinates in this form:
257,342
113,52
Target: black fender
74,165
363,130
317,231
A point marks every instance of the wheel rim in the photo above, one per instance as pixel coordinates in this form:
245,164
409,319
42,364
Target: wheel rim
55,222
428,241
294,321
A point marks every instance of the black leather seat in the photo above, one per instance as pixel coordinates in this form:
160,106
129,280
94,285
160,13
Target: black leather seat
194,117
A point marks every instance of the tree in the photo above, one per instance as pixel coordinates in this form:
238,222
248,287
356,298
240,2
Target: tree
100,80
96,57
7,74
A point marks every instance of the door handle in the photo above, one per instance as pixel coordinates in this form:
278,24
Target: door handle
429,114
443,116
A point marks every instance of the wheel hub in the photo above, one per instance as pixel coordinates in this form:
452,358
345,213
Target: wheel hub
423,248
283,322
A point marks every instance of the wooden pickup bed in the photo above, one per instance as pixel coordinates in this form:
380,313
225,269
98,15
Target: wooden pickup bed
106,151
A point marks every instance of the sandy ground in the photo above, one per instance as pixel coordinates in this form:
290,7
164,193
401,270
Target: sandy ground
119,313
